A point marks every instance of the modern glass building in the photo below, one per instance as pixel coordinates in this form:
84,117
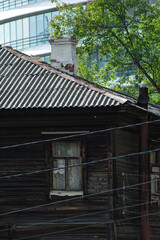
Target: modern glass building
24,25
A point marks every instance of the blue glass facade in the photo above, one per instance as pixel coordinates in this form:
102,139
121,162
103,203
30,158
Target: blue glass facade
29,31
11,4
26,32
46,59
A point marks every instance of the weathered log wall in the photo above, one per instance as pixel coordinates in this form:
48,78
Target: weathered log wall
31,190
27,191
126,173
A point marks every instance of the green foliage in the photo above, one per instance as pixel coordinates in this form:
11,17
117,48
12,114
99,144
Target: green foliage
89,71
125,31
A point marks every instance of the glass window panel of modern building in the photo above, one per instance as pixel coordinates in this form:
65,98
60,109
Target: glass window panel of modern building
47,18
26,32
13,31
19,32
7,32
11,4
32,31
40,28
2,34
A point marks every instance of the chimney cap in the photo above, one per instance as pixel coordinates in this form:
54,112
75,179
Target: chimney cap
63,40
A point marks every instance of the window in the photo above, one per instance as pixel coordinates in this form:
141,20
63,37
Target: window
155,189
32,30
66,180
155,178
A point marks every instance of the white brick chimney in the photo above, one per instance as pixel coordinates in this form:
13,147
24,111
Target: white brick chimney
63,54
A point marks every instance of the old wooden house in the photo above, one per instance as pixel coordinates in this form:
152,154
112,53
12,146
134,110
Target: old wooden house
47,120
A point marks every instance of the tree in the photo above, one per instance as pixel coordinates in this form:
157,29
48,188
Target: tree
127,32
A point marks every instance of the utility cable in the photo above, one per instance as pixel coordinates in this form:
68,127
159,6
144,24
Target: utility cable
79,164
76,198
58,221
75,216
78,135
83,215
89,226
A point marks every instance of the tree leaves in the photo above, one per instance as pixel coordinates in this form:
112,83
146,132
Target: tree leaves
126,31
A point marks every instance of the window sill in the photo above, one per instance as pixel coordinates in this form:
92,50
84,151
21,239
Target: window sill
65,193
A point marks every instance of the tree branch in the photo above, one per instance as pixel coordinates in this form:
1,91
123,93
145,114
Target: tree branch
137,63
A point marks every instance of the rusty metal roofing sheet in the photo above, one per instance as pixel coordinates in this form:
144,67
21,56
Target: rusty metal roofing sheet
29,83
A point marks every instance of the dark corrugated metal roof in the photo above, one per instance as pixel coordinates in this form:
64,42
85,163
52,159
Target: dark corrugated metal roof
30,83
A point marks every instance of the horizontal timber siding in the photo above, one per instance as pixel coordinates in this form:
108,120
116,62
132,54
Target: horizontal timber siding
126,173
31,190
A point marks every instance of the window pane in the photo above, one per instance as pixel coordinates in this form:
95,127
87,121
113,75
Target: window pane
59,175
158,184
66,149
31,1
18,3
13,31
59,149
19,29
153,158
19,33
153,184
74,175
55,13
74,150
47,18
40,28
25,2
1,34
12,4
6,5
7,32
32,30
26,32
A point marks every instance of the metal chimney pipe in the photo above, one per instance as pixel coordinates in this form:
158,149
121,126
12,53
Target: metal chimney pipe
143,98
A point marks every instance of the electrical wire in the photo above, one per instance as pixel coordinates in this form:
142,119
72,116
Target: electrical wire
76,198
89,226
84,215
77,216
78,135
99,161
79,164
89,214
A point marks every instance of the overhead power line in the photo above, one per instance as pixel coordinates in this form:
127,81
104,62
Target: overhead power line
89,226
80,215
119,157
77,198
78,135
57,221
79,164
